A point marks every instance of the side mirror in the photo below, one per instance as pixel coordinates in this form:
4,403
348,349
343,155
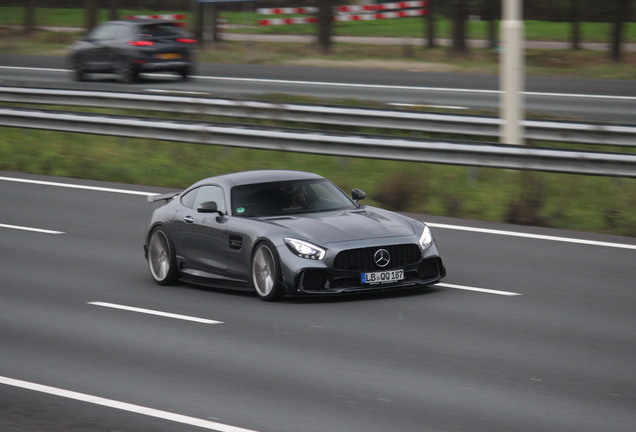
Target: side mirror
209,207
358,195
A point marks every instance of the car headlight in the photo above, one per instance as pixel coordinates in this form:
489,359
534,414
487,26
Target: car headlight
304,249
426,239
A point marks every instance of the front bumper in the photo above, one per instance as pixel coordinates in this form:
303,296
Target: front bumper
325,281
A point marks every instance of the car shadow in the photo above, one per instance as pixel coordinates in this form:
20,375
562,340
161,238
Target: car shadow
363,296
142,79
319,299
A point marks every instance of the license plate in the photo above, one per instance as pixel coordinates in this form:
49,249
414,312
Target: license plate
382,277
168,56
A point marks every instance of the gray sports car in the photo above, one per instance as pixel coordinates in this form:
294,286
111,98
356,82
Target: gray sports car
286,233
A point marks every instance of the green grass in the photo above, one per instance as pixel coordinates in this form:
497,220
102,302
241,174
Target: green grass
585,203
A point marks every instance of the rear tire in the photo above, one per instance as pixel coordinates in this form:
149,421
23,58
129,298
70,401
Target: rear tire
161,258
266,278
185,73
125,71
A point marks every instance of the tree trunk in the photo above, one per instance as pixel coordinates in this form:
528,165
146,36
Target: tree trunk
325,25
622,9
113,13
575,12
430,24
490,15
216,35
459,26
29,15
91,14
199,23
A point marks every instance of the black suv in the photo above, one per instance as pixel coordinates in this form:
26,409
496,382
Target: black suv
127,48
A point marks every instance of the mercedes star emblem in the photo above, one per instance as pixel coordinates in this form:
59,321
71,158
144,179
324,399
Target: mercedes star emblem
382,257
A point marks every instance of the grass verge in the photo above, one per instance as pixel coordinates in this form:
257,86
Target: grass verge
586,203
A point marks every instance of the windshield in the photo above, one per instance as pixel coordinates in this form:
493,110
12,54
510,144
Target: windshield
288,198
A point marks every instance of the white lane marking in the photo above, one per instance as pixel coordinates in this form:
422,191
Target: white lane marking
533,236
176,92
370,86
34,69
400,87
23,228
154,312
482,290
411,105
110,403
431,224
76,186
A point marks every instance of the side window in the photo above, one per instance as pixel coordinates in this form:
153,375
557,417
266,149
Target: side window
188,199
104,32
210,193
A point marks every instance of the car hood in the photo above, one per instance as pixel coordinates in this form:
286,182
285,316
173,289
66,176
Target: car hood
334,227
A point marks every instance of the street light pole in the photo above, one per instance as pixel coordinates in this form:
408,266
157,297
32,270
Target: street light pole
511,73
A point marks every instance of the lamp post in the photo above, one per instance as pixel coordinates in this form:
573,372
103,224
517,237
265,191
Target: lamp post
511,73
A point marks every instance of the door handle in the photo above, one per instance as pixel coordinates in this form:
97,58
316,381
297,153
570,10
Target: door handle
188,219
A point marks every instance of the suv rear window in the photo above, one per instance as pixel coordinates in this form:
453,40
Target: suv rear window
159,30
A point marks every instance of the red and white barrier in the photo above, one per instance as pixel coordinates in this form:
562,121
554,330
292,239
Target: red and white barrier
343,17
344,13
286,11
359,8
171,17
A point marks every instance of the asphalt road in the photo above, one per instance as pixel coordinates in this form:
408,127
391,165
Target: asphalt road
548,345
593,100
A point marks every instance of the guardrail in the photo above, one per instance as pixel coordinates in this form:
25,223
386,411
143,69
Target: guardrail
380,147
555,131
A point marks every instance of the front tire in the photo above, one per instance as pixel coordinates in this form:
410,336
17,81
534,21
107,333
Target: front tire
266,273
79,70
161,258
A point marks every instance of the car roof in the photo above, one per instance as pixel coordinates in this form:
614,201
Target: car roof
258,176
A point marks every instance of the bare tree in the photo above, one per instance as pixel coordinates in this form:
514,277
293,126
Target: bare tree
430,23
620,15
575,13
199,23
459,26
91,14
29,15
113,12
325,25
490,15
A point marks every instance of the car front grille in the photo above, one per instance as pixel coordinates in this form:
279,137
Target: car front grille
363,259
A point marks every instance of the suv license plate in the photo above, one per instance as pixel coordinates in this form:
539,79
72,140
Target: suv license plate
382,277
168,56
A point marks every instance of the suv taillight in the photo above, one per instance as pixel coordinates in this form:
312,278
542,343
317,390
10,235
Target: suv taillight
141,43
